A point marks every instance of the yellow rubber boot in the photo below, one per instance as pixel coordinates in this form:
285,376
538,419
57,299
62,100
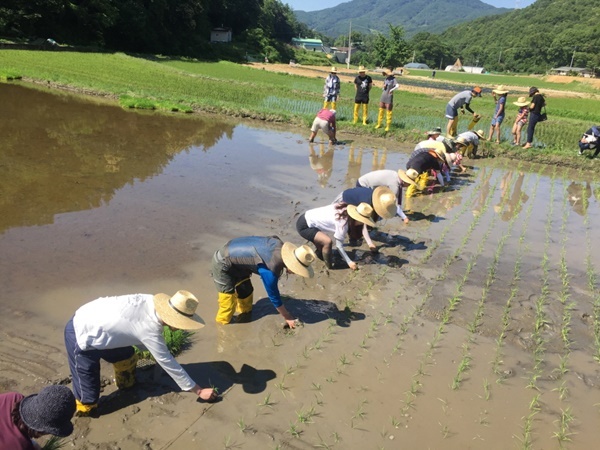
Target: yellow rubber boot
333,105
227,304
325,104
244,305
454,127
355,118
388,121
422,180
380,117
83,410
125,372
410,192
365,113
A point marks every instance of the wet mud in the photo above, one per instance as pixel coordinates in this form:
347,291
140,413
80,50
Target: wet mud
475,325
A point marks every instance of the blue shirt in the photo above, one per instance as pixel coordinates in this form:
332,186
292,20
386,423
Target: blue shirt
270,282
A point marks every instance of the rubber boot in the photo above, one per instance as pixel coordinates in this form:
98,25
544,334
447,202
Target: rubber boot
227,304
355,118
388,121
365,113
410,191
333,105
422,180
125,372
380,117
83,410
244,305
325,104
454,127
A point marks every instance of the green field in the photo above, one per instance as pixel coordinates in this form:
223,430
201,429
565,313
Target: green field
242,91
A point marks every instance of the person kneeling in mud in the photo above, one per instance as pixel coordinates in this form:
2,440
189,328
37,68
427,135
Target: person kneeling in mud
340,219
267,257
108,328
590,141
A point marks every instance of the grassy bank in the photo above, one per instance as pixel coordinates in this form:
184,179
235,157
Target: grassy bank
241,91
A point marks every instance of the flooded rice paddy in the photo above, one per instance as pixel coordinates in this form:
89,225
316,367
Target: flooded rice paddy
476,326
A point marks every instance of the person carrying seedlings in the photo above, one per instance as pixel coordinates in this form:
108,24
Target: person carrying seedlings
331,90
339,219
362,87
386,102
23,419
268,257
461,101
394,180
590,141
535,113
324,121
467,143
499,112
520,120
108,328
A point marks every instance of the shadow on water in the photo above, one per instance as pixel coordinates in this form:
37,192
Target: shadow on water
61,155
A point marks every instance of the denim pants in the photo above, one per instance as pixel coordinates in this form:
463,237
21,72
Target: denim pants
533,120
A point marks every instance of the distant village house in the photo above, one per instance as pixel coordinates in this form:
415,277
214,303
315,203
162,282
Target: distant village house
220,35
577,71
315,45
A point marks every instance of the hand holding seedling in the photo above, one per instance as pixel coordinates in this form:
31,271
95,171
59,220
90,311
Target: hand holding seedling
353,265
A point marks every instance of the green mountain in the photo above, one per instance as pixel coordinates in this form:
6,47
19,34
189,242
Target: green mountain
546,34
414,16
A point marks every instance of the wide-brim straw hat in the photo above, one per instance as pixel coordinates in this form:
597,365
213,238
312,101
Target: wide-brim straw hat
50,411
404,177
179,311
436,130
412,174
500,90
440,150
480,133
460,141
384,202
333,70
388,71
361,69
298,259
522,101
361,213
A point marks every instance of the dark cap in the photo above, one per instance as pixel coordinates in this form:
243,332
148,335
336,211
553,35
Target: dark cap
50,411
533,90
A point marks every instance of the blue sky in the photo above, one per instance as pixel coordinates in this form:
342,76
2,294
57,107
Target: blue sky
314,5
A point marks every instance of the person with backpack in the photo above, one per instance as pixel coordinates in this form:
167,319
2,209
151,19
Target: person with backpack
535,113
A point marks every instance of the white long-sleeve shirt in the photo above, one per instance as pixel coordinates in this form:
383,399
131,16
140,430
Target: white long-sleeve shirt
123,321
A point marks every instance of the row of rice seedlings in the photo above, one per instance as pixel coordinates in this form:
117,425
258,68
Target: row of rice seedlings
540,322
426,359
514,285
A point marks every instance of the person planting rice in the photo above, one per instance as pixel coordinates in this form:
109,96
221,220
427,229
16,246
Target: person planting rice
467,143
339,219
324,121
590,141
394,180
23,419
108,328
461,101
268,257
420,166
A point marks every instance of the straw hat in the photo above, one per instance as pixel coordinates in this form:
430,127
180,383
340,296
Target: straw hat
500,90
388,71
522,101
179,311
412,174
361,213
404,177
480,133
298,259
361,69
461,141
384,202
436,130
50,411
333,69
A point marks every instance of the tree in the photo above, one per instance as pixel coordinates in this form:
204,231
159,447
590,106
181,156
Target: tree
431,50
391,50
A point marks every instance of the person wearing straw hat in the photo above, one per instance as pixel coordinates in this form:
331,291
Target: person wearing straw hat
23,419
394,180
386,102
362,87
499,112
326,122
268,257
331,90
422,164
107,328
339,219
520,120
467,143
461,101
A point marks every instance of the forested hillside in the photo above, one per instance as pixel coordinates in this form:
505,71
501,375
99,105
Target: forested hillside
549,33
413,15
174,27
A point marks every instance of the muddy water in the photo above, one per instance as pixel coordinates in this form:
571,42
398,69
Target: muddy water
476,325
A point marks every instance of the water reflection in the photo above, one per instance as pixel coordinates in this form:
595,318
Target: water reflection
579,196
321,163
62,155
510,205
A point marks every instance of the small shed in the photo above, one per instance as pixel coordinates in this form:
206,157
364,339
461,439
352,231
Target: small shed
315,45
220,35
414,65
473,69
566,70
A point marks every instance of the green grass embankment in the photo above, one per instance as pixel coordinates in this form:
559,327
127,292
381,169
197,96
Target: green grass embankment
241,91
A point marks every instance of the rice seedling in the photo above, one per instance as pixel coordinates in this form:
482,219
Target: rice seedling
242,425
266,403
564,427
177,341
293,430
54,443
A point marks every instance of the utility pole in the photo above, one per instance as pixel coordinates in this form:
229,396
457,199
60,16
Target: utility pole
349,45
500,56
573,57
